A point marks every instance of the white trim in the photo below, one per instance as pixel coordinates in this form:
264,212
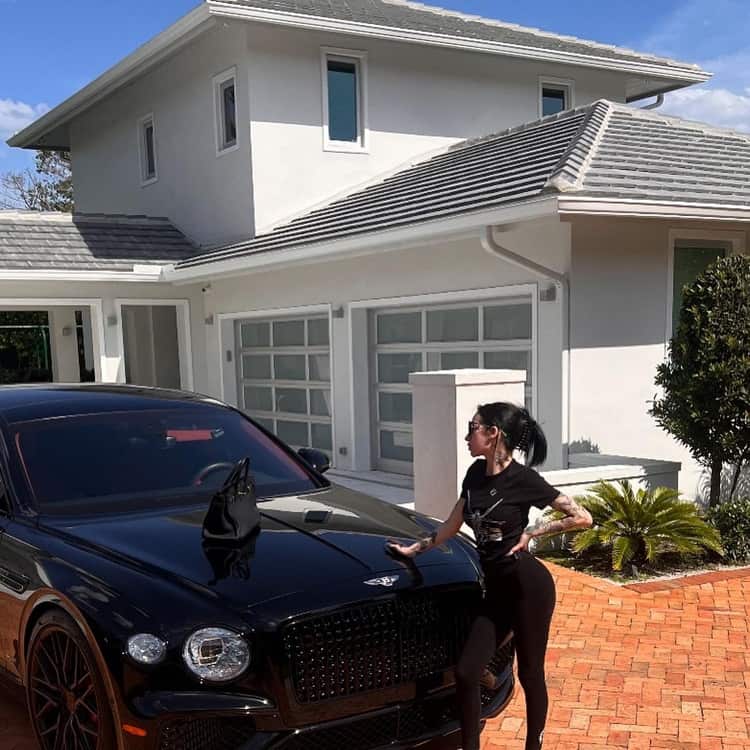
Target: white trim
184,336
390,239
97,320
690,73
271,314
230,74
143,122
567,85
735,240
44,274
568,205
359,59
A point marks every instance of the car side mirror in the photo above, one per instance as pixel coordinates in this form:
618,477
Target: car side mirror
317,459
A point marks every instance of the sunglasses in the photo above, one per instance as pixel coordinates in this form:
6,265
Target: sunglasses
473,426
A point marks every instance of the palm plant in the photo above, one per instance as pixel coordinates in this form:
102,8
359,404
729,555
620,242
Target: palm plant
639,526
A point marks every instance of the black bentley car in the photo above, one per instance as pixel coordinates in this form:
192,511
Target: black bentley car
129,630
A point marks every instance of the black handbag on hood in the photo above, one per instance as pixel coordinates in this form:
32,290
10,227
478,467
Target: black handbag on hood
233,513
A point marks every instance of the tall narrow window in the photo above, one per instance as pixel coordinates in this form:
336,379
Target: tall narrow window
554,96
225,105
691,259
344,100
147,137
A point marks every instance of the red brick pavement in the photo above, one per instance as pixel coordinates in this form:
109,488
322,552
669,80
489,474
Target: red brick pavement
663,666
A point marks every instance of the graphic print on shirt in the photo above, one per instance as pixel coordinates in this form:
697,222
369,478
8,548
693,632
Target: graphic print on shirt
485,530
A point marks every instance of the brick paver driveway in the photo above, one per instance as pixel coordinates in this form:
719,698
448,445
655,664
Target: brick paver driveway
660,666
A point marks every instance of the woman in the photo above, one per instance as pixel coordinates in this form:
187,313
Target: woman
496,496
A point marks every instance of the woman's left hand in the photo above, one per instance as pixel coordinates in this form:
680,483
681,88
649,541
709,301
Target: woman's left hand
523,545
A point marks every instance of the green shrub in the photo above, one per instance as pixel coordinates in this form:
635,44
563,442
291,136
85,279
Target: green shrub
732,520
639,526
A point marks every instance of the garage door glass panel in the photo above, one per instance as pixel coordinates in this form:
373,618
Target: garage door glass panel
395,407
258,399
458,360
320,367
321,436
291,400
317,332
453,325
399,328
509,361
289,333
395,368
507,322
293,433
255,335
289,367
320,403
397,446
256,367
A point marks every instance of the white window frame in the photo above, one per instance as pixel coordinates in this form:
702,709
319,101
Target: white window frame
559,84
218,82
359,58
736,242
142,153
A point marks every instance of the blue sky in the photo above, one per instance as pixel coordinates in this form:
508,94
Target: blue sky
46,55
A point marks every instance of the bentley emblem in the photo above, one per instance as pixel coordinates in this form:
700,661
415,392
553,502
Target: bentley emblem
386,581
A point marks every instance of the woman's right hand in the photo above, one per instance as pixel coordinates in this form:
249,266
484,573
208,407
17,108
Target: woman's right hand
402,550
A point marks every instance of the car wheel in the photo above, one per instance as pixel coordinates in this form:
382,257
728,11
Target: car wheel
66,697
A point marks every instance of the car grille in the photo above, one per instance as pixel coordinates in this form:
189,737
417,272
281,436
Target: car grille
403,724
206,734
377,645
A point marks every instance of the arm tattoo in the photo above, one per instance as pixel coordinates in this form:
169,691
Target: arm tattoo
575,516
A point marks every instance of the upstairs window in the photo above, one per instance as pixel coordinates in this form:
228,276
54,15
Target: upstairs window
225,104
344,100
554,96
147,148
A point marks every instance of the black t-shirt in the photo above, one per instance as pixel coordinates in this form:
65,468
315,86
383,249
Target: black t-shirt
497,507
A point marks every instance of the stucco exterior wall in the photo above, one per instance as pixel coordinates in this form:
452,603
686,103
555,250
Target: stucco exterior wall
620,308
208,197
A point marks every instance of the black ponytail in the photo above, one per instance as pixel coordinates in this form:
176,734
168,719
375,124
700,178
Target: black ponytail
520,430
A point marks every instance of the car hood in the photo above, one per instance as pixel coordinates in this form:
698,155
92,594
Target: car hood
305,541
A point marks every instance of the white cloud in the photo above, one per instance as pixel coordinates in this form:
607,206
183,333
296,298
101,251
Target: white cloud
715,106
15,116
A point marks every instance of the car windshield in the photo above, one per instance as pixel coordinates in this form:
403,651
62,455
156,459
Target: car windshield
103,460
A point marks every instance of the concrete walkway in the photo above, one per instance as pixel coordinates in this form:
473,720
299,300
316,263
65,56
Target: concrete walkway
663,666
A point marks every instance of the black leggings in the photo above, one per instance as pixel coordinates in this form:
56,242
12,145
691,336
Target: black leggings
520,597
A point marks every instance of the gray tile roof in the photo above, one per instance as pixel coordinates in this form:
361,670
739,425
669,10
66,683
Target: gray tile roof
401,14
39,240
603,150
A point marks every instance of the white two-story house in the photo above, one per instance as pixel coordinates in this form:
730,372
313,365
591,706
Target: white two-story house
293,204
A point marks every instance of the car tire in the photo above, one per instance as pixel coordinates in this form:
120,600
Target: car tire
66,697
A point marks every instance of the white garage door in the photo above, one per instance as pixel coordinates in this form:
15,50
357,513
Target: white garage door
496,334
284,377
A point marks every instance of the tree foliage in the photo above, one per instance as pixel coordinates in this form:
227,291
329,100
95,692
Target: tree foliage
47,187
706,378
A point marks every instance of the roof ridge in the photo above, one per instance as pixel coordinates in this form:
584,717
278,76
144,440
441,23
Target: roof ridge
537,31
570,171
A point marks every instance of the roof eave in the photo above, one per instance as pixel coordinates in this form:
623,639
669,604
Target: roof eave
165,43
391,239
582,205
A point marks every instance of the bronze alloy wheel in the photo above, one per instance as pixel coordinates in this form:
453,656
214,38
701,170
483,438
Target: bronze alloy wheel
66,697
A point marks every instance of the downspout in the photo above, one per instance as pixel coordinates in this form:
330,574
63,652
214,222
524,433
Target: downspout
494,248
655,105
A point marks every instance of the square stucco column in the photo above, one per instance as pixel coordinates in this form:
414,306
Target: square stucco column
443,403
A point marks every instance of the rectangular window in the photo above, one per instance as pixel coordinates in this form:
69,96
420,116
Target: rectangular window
344,100
225,106
147,143
690,260
554,96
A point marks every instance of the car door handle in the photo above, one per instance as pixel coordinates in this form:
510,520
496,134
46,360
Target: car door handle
14,581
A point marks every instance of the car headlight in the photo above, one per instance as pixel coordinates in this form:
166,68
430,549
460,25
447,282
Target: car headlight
146,648
216,654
